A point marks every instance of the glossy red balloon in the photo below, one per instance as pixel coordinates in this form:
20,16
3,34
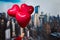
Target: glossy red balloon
26,8
23,18
12,12
30,9
23,6
22,14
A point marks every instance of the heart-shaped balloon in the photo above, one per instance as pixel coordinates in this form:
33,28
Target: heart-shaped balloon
22,14
12,12
23,18
26,8
30,9
23,7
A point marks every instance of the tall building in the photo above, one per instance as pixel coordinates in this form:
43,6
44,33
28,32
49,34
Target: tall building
41,18
32,18
37,9
45,18
36,17
48,17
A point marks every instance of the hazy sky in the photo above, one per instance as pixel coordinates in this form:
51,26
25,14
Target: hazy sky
14,1
47,6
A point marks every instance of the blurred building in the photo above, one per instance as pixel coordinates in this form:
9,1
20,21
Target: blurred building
45,18
36,17
41,18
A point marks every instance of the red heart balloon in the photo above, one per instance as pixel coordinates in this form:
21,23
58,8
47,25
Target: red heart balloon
12,12
23,18
22,14
24,7
27,8
30,9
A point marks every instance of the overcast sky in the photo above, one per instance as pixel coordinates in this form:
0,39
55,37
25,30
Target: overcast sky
47,6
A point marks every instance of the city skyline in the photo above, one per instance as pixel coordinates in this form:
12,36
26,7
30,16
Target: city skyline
47,6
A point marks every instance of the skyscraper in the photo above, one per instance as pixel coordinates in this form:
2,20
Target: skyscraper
41,18
37,9
36,17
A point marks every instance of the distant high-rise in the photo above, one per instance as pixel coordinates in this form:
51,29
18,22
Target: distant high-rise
42,13
58,16
36,17
45,18
37,9
32,17
41,17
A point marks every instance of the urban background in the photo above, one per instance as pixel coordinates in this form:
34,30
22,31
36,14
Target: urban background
40,27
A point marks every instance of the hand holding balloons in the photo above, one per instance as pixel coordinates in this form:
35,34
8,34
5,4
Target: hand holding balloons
22,14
